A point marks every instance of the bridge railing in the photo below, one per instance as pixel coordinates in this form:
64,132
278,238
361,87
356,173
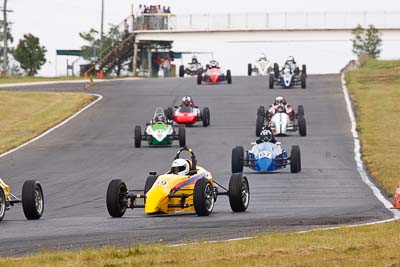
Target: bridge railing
262,21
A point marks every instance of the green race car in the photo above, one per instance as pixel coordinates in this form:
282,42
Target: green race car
160,131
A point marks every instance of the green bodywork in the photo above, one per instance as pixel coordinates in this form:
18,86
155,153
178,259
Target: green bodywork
162,139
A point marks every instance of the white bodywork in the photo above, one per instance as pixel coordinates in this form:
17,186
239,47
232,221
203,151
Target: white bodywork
159,134
287,76
281,124
262,67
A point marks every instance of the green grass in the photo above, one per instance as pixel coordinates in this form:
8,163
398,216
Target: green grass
376,93
25,79
24,115
375,89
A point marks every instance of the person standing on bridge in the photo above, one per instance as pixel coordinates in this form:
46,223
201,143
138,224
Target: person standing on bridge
126,28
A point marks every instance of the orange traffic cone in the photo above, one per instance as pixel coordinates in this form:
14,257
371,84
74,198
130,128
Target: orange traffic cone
101,74
85,75
396,201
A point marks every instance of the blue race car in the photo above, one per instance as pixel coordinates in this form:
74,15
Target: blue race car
266,157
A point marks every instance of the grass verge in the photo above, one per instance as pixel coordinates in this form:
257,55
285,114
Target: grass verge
374,88
25,115
26,79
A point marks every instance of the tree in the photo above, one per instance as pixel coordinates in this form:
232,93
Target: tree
29,54
366,41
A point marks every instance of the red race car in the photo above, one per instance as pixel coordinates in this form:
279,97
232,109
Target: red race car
213,74
187,113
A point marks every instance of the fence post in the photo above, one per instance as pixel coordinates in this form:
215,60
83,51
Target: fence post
247,20
190,21
134,61
266,20
286,20
229,21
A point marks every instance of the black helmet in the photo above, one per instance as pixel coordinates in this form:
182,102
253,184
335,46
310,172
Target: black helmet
266,134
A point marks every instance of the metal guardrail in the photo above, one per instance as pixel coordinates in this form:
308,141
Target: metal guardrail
273,21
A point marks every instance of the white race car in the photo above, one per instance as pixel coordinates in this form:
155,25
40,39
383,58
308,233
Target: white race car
289,76
261,67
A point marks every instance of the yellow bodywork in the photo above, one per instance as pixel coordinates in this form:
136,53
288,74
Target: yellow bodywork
158,200
6,189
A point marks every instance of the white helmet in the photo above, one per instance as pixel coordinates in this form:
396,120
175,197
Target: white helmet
180,166
290,59
262,56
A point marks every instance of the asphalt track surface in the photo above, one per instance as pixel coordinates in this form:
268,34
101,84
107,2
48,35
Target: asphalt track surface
76,162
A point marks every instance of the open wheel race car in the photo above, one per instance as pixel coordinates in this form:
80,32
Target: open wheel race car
282,122
265,157
160,131
262,66
213,74
189,115
185,188
289,76
32,199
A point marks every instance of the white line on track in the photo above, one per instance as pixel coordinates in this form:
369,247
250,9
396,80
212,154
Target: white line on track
99,97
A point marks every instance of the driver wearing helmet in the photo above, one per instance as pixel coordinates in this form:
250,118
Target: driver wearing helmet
194,60
181,167
213,64
187,101
291,63
266,135
280,101
159,118
262,57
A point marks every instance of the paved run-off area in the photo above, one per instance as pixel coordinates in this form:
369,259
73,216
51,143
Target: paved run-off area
76,162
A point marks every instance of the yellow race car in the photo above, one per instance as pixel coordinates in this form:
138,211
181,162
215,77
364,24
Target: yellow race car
185,188
32,199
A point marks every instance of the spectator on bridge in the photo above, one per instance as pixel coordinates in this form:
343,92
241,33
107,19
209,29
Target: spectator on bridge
126,27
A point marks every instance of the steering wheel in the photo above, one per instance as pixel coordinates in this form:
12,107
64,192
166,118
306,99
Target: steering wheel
193,157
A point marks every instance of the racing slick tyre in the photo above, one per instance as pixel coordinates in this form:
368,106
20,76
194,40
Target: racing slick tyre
304,70
237,160
116,198
261,111
181,71
303,81
300,110
301,121
203,197
239,192
249,69
151,179
32,200
206,117
229,77
259,124
295,160
182,136
2,204
199,78
271,81
138,136
276,70
169,113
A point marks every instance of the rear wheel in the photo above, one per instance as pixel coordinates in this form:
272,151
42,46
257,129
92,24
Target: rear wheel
259,124
261,111
206,117
239,192
199,78
295,160
32,200
203,197
271,81
304,70
138,136
182,136
181,71
169,113
228,77
2,204
276,70
302,126
249,69
303,81
116,198
300,110
237,160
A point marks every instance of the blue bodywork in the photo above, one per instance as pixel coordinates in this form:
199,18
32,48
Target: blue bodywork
267,157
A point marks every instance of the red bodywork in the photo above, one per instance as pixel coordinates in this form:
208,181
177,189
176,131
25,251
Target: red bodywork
184,117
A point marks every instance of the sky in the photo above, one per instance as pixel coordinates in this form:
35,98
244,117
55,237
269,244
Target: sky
58,22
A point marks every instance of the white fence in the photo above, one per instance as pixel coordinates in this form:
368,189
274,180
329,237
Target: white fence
281,21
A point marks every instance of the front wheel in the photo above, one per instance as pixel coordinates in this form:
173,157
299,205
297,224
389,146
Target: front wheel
199,78
295,159
182,136
302,126
249,69
237,159
203,197
116,198
303,81
138,136
181,71
228,77
206,117
276,70
271,81
2,204
239,192
169,113
32,200
151,179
